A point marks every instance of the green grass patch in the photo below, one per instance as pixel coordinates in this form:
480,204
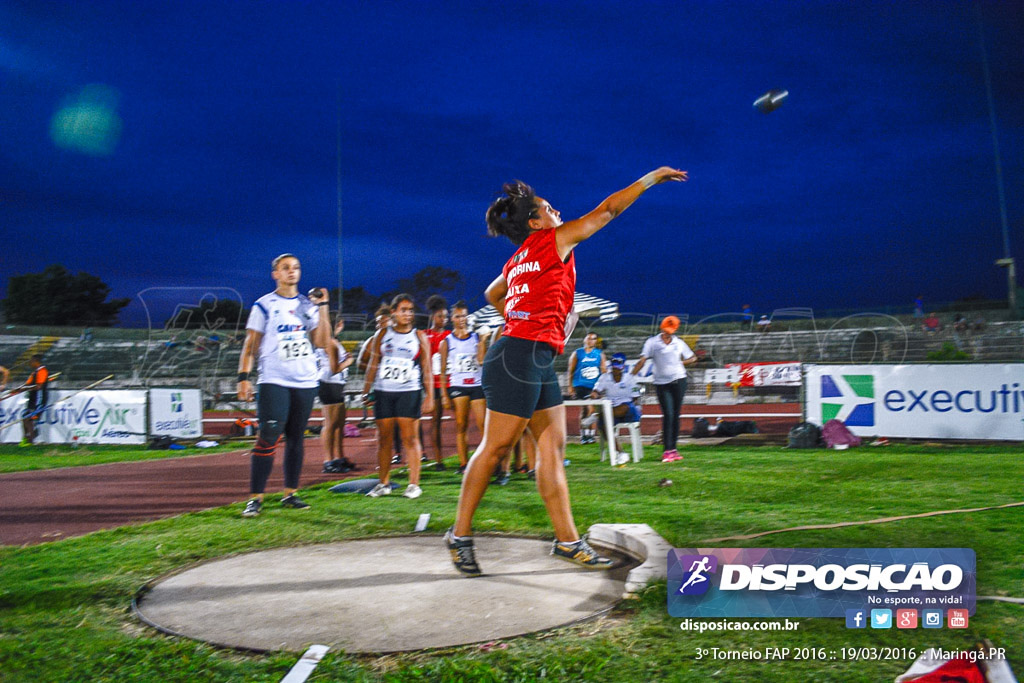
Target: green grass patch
64,606
14,458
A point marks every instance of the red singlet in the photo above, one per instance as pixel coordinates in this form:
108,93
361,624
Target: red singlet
435,353
540,290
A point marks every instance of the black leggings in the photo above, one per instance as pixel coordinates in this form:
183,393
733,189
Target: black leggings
282,410
670,398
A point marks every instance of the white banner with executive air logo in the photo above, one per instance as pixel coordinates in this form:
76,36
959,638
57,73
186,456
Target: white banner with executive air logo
85,417
176,412
934,401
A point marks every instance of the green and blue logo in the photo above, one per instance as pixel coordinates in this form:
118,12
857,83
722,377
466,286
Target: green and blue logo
849,399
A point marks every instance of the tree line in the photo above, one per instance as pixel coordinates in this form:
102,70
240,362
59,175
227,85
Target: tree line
58,297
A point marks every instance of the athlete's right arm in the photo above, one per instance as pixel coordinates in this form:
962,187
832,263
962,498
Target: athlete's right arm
246,362
639,365
442,349
495,293
569,372
371,369
568,235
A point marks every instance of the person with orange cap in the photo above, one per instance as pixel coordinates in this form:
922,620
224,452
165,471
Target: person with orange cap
670,356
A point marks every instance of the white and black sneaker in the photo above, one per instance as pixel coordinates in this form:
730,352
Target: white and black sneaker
253,508
413,491
294,502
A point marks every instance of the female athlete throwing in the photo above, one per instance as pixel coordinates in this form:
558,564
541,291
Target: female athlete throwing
534,293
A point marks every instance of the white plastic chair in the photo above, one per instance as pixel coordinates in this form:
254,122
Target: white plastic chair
633,429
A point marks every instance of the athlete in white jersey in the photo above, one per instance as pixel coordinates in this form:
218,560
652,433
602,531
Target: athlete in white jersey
462,357
399,375
334,361
282,330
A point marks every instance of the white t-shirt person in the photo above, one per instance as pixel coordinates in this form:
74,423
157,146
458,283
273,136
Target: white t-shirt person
286,355
667,358
619,393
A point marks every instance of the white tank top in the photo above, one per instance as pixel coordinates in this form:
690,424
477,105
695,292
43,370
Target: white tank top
463,368
323,363
399,366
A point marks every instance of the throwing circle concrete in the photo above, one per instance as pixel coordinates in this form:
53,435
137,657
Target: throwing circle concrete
378,595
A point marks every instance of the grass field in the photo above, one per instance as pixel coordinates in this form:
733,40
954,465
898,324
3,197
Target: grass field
64,606
48,456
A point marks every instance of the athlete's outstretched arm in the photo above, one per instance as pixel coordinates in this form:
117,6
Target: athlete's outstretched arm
568,235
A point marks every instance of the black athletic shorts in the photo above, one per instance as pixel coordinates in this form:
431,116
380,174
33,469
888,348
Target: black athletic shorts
390,404
519,377
474,393
583,392
331,393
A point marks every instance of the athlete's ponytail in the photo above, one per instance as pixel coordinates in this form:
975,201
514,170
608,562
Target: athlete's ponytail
510,215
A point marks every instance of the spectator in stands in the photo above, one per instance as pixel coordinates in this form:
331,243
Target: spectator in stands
86,336
5,377
979,324
586,365
670,356
748,313
764,324
37,386
619,387
960,323
931,324
919,306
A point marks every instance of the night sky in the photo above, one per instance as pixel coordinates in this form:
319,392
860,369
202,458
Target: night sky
187,144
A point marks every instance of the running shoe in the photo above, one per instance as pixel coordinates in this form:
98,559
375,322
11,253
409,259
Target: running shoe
439,466
671,456
294,502
413,491
333,467
379,490
502,479
396,459
461,470
253,508
463,553
580,553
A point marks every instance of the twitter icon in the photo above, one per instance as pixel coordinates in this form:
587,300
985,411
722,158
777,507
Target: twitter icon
881,618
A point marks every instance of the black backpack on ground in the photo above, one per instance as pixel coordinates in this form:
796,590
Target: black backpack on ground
701,428
160,443
736,428
805,435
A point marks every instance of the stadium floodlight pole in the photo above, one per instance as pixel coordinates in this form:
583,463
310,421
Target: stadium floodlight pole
338,163
1007,260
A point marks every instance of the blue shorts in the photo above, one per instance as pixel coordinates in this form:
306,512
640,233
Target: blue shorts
519,377
632,416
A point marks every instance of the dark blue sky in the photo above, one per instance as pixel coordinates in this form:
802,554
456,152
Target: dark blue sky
874,182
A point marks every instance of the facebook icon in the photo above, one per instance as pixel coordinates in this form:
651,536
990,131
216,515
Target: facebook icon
856,618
